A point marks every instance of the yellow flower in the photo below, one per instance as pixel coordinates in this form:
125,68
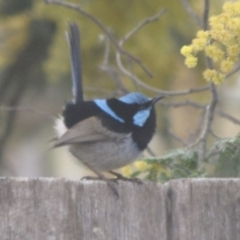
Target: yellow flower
198,44
218,79
215,53
162,169
213,20
227,7
202,34
231,8
221,43
141,165
191,61
226,66
233,50
233,24
186,50
126,171
227,37
212,75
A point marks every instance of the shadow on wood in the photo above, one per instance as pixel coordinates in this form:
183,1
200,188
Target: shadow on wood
60,209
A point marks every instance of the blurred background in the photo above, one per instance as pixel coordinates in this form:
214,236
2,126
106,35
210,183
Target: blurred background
35,80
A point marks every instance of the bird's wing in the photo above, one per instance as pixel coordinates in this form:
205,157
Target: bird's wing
88,130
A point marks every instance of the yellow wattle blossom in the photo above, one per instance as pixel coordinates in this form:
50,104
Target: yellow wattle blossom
191,61
127,171
160,168
214,53
221,43
233,51
186,50
226,66
198,44
212,75
233,24
141,166
203,34
231,8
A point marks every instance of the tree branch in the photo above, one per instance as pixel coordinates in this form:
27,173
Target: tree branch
104,29
223,114
191,12
141,24
27,109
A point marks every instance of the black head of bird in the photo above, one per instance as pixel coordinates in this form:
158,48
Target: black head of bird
105,134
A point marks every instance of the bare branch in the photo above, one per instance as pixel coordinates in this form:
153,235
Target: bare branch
212,106
28,109
191,12
177,138
141,24
215,135
185,103
205,14
156,90
223,114
111,70
237,68
200,123
208,123
150,151
103,28
122,51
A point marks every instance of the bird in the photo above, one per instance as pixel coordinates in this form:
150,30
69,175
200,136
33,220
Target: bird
104,134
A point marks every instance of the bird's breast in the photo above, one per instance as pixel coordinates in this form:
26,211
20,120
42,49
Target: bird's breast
107,155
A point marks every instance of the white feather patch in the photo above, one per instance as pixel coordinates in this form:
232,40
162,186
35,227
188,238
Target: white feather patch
60,127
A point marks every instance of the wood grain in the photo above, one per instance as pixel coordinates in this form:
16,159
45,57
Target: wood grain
60,209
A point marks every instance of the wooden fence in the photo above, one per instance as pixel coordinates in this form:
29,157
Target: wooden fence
60,209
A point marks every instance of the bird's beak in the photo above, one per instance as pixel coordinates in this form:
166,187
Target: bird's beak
156,99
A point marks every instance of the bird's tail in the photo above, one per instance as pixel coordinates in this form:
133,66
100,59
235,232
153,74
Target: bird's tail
73,38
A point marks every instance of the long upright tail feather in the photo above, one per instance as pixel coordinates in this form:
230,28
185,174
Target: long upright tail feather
73,38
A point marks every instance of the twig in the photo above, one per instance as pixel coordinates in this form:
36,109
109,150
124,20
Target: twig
223,114
191,12
103,28
212,106
150,151
209,116
208,123
28,109
141,24
122,51
237,68
200,123
185,103
215,135
156,90
205,14
177,138
111,70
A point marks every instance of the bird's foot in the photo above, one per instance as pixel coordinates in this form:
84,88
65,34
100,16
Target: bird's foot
90,178
121,177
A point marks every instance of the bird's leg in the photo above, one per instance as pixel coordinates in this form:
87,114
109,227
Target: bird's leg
121,177
118,175
102,177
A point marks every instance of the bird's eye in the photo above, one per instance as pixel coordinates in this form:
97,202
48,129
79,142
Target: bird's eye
143,107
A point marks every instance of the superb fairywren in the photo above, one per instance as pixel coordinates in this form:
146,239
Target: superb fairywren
104,134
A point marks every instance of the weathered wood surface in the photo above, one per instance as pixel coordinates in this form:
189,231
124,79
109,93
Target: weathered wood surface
59,209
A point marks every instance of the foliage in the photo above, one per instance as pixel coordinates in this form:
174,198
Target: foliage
178,163
228,157
224,157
